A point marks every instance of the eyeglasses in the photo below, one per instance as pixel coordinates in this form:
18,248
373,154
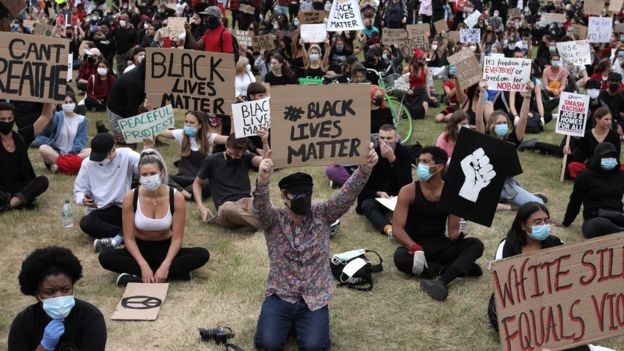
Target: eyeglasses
425,162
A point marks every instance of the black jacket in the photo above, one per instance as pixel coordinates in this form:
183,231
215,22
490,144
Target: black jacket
128,92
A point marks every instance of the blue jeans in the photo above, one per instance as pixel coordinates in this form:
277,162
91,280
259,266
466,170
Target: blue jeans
514,194
277,317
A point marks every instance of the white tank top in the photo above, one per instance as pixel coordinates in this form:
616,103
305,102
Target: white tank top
152,224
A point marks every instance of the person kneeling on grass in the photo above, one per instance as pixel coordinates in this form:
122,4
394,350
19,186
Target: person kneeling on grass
418,225
153,220
57,321
300,284
101,183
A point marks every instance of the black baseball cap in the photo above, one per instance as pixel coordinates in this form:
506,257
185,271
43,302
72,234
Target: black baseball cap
296,183
101,145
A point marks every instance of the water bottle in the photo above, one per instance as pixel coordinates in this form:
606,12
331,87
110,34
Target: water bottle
67,215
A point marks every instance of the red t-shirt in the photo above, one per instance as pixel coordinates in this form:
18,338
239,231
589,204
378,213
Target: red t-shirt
449,84
218,40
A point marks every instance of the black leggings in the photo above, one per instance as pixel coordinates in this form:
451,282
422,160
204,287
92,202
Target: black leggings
599,226
28,191
103,222
154,252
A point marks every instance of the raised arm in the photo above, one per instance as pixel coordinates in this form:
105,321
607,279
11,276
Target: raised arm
46,115
524,111
479,119
196,45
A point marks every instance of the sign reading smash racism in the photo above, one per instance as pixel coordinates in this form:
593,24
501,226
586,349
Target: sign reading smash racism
561,297
506,74
33,68
248,117
146,125
320,125
572,117
344,15
190,79
575,52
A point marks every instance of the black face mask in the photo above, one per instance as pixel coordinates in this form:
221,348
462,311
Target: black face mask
91,60
213,22
301,204
378,100
6,127
614,86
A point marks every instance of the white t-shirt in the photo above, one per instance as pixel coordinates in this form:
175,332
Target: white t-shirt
67,134
241,82
178,135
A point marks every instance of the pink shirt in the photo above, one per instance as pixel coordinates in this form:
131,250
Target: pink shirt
447,146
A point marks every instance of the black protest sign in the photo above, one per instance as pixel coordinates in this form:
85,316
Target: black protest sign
478,169
190,80
33,68
320,125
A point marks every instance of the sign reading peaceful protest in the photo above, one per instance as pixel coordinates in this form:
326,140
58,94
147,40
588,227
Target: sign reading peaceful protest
263,42
472,20
146,125
15,7
506,74
33,68
312,17
344,16
313,33
315,125
468,68
469,35
190,79
476,174
575,52
244,37
572,117
248,117
561,297
600,29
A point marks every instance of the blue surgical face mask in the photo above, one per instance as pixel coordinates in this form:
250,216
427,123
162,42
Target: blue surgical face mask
608,163
423,172
190,131
540,232
58,307
501,129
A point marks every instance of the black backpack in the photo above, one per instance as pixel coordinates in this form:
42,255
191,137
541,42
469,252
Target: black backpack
534,124
235,46
359,276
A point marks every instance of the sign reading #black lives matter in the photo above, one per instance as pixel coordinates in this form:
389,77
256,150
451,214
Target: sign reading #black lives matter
320,125
33,68
190,80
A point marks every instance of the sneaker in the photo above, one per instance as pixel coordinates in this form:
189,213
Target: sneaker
542,196
100,245
124,278
333,228
54,168
434,288
475,271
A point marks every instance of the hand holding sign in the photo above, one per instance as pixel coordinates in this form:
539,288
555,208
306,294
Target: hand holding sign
478,172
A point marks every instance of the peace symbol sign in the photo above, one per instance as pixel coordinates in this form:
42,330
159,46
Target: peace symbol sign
141,302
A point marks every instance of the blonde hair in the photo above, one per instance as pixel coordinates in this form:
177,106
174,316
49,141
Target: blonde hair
491,122
153,157
241,63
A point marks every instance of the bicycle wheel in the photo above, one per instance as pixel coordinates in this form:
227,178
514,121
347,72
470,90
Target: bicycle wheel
402,119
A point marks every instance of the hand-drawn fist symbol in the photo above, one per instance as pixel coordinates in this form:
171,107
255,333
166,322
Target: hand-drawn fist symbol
478,172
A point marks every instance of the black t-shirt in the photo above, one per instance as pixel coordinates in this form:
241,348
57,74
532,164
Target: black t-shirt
282,80
379,117
228,178
85,328
15,167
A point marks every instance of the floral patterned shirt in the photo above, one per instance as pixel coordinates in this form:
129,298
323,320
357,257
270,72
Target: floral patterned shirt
299,252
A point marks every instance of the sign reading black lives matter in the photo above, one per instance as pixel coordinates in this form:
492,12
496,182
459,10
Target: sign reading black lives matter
249,117
572,117
478,169
33,68
320,125
189,80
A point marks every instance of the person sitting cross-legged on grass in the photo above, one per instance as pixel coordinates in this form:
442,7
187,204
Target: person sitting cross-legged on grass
300,284
57,321
101,183
153,218
419,226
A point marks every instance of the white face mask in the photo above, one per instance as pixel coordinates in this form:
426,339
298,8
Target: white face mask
102,71
314,57
248,68
146,25
69,107
122,23
473,48
593,93
150,183
434,47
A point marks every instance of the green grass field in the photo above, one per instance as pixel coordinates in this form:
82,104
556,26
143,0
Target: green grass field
396,315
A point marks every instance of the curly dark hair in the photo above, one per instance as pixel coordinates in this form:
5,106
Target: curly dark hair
47,261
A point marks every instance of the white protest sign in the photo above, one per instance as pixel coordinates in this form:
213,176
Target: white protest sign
472,20
313,33
145,125
575,52
70,66
548,18
506,74
572,117
250,116
600,29
344,15
470,35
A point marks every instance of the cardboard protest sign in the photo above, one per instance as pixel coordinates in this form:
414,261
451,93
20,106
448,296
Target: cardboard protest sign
263,42
472,20
548,18
248,9
468,68
344,15
506,74
573,109
146,125
312,17
454,36
141,302
15,7
313,33
315,125
515,12
244,37
440,26
600,29
43,29
248,117
174,28
618,28
615,5
476,174
580,31
561,297
470,35
418,35
33,68
594,7
575,52
395,37
70,67
189,79
418,29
